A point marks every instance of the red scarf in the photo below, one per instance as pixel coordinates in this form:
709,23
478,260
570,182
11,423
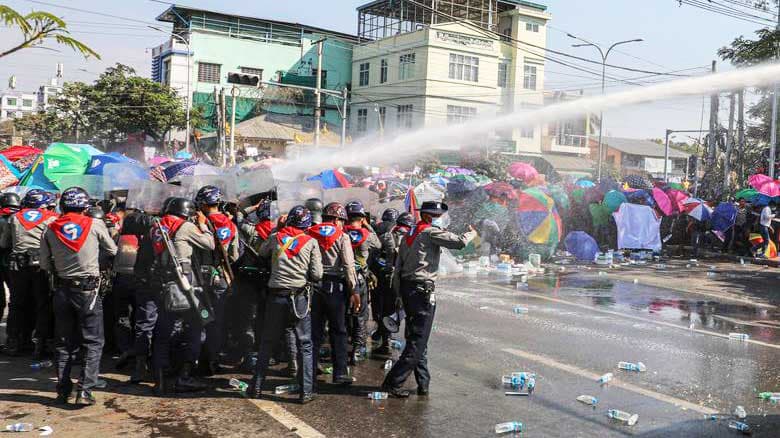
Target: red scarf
414,232
224,228
291,240
357,235
171,225
32,217
326,234
7,211
264,228
401,228
72,229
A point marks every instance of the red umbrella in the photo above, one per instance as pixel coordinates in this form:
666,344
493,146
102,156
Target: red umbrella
16,152
662,201
678,198
765,185
499,189
522,171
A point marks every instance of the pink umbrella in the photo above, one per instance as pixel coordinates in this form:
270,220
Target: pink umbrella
158,160
678,198
522,171
662,201
765,185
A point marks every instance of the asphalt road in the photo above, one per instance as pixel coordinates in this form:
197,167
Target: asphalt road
579,325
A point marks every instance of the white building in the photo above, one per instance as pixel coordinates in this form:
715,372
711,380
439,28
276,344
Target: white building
15,104
48,92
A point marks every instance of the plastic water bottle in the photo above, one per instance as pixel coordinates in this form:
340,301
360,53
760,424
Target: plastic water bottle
511,381
739,336
605,378
531,385
42,365
20,427
395,344
388,365
623,417
376,395
517,310
239,385
287,389
588,400
768,395
511,426
740,412
628,366
739,426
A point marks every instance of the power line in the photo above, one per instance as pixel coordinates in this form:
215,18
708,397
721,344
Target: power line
86,11
726,12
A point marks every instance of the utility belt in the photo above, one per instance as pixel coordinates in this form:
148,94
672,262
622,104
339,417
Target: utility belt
19,261
298,311
421,286
253,272
213,277
84,284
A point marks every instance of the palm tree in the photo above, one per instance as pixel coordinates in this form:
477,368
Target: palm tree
38,27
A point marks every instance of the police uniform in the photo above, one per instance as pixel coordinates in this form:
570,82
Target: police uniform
70,249
414,277
9,205
383,304
252,282
296,263
364,242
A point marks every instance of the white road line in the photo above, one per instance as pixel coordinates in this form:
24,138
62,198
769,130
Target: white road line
614,383
625,315
288,420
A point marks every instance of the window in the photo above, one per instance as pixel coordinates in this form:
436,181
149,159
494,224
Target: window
364,68
527,132
11,101
405,116
167,68
324,75
506,35
459,114
406,66
503,74
382,117
532,27
362,121
464,68
27,103
259,72
383,72
529,77
209,72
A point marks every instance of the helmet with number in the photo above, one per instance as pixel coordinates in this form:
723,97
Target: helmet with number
264,210
96,213
390,215
181,207
209,195
52,204
74,199
355,208
299,217
405,220
35,198
10,200
315,207
335,210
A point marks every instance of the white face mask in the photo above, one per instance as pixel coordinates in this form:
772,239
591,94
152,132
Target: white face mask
441,222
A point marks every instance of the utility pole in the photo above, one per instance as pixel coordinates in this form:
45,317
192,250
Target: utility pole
344,97
773,133
666,156
318,95
741,134
221,122
729,146
712,145
234,93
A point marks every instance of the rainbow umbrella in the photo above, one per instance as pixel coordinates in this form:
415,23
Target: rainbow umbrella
537,217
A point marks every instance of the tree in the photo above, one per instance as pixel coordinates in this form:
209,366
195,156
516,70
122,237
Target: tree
493,166
38,27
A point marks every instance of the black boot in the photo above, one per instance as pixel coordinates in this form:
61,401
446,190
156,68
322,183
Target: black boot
255,389
39,349
159,382
12,347
140,370
292,368
124,360
185,382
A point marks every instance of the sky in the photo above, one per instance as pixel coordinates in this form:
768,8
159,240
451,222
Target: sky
675,38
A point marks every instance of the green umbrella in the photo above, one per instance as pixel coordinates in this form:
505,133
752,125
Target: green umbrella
613,199
578,195
677,186
746,194
600,214
62,159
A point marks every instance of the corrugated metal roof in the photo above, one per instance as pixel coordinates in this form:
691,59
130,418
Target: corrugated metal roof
269,127
526,4
568,162
642,148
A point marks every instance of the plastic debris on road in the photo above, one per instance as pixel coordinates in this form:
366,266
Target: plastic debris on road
588,400
628,366
603,380
377,395
238,385
740,412
42,365
739,426
623,417
519,310
45,431
739,336
287,389
509,427
19,427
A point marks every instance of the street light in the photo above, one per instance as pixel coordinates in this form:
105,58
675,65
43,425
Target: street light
189,76
604,56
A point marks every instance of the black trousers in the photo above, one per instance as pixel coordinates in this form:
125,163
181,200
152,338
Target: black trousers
420,310
123,300
30,307
358,322
383,304
145,317
79,325
180,334
330,304
215,331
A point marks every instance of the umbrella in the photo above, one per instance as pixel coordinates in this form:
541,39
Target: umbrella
577,195
197,170
581,245
765,185
697,209
537,217
15,153
599,214
559,196
500,189
613,199
585,183
677,186
174,168
98,162
637,182
62,159
678,198
723,216
761,200
771,249
746,194
458,188
440,180
122,176
458,171
522,171
183,155
662,201
158,160
331,179
640,197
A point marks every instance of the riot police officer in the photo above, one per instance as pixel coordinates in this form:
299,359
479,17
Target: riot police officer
70,249
337,289
296,264
414,277
383,270
314,205
10,203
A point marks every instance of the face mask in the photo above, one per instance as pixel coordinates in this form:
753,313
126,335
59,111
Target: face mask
438,222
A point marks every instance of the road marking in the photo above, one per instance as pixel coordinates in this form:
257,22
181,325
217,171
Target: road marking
614,383
636,318
287,419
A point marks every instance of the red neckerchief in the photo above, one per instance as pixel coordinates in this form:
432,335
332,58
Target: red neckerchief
72,229
291,240
171,225
400,228
326,234
414,232
113,217
32,217
264,228
357,235
7,211
224,228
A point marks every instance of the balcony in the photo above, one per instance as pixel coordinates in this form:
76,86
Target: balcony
569,144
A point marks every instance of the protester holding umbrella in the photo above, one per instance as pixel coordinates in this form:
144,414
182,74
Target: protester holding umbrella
764,227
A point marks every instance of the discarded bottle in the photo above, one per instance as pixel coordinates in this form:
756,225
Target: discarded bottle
710,274
376,395
605,378
519,310
531,385
239,385
624,417
328,371
511,426
768,395
740,412
287,389
511,381
20,427
741,261
388,365
588,400
739,336
628,366
395,344
739,426
42,365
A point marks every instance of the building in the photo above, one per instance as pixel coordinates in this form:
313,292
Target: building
16,104
433,62
48,92
644,157
215,45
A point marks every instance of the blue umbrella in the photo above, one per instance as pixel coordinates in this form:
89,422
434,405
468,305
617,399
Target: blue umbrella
723,216
585,183
581,245
640,196
98,162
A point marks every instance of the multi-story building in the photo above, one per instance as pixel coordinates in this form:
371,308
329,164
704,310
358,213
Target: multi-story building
643,157
14,104
48,92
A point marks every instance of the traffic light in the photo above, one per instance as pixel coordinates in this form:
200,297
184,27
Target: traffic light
243,79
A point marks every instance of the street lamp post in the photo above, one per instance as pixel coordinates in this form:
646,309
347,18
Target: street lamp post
189,78
604,56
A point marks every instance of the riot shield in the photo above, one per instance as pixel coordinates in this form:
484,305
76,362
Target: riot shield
93,184
290,194
121,176
226,182
256,181
149,196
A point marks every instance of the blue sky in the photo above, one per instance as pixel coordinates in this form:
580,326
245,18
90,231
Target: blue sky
675,37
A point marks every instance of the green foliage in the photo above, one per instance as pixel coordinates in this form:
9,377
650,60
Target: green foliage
38,27
493,166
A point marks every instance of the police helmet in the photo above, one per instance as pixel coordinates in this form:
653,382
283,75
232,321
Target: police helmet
299,217
35,198
335,210
405,219
315,207
355,208
390,215
52,200
264,210
96,213
10,200
181,207
74,199
208,195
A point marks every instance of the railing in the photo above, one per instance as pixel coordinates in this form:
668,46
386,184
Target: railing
236,28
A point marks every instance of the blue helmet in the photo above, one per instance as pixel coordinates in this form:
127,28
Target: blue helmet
355,208
264,210
405,219
299,217
36,198
208,195
74,198
390,215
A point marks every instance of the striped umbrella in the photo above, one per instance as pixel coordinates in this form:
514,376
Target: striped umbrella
697,209
537,217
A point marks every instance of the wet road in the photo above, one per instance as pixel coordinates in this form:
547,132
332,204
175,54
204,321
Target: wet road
578,326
